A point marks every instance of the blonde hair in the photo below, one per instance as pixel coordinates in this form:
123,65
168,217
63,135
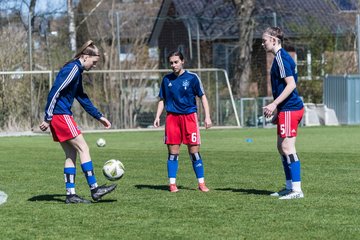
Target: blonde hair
88,48
275,32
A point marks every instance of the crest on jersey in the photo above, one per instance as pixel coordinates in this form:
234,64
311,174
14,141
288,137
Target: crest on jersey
169,85
185,84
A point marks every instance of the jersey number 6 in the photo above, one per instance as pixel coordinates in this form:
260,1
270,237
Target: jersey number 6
193,137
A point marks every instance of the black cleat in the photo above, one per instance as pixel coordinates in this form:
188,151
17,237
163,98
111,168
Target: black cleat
101,191
75,199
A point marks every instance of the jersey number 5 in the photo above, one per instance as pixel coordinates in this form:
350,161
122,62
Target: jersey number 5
282,129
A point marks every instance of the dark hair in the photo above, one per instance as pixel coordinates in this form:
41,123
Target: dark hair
176,53
275,32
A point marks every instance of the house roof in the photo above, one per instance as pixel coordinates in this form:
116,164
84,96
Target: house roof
132,19
314,16
216,19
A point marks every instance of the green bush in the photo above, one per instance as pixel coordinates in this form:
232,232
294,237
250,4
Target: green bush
311,91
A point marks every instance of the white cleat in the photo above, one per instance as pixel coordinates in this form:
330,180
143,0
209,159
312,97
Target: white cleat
280,193
292,195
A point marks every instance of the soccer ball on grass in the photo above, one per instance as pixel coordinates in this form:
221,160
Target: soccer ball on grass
113,170
101,142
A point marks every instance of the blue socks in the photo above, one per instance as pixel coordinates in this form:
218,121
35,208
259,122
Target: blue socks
88,170
172,165
286,167
69,175
287,172
197,164
294,164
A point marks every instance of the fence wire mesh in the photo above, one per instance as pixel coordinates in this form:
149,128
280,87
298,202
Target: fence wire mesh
128,98
322,36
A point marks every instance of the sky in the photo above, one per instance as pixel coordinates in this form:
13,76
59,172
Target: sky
42,6
50,5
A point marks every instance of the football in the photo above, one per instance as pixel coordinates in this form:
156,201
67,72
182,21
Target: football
101,142
113,170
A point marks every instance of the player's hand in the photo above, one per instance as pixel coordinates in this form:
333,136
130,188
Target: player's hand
105,122
157,122
274,119
44,126
207,123
269,109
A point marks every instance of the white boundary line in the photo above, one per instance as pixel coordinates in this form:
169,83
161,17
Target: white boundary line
3,197
40,133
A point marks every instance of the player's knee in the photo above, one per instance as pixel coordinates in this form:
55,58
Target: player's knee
291,158
173,157
195,156
83,148
286,148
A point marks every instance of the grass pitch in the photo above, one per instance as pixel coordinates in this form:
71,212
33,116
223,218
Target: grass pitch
239,173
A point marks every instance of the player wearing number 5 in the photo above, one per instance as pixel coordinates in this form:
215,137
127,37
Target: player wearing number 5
287,110
58,117
178,93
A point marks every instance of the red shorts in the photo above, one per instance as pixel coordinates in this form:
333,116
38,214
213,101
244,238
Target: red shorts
63,128
287,123
182,128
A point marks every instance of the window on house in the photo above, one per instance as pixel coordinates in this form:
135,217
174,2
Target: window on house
301,61
126,53
346,5
310,65
224,56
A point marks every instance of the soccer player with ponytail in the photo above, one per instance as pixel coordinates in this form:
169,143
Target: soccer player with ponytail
287,110
58,116
178,93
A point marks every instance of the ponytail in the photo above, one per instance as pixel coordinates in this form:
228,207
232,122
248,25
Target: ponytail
88,48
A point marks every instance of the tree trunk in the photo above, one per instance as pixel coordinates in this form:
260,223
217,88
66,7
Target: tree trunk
32,12
72,30
241,82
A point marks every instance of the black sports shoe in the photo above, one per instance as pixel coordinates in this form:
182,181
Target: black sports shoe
75,199
101,191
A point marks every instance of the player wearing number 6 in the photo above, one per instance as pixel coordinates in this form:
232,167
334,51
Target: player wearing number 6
287,110
178,93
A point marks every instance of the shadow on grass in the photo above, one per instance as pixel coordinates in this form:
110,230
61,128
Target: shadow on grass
159,187
48,198
60,198
247,191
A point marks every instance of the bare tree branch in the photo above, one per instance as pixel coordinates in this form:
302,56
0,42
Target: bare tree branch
92,10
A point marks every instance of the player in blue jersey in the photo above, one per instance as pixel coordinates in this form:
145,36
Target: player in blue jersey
287,110
178,93
58,116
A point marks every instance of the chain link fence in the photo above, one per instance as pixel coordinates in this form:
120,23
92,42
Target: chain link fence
128,98
322,40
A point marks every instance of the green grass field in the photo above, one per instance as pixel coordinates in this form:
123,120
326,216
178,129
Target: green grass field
240,176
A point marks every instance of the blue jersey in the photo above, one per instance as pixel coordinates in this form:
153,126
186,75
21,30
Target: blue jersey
179,92
284,66
67,86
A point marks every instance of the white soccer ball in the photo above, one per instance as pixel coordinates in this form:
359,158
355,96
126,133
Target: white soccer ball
113,170
101,142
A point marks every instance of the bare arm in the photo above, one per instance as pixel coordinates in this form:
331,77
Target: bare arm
105,122
290,86
160,109
205,104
